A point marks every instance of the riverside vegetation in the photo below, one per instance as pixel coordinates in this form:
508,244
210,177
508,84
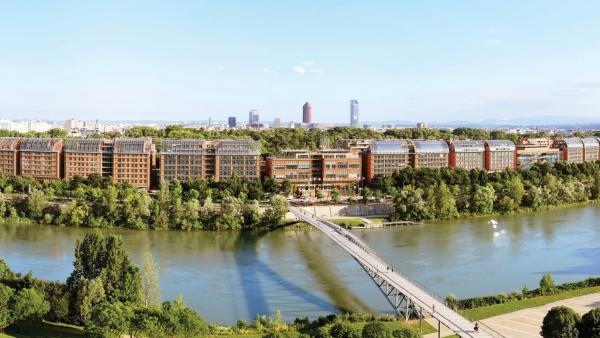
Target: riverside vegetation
108,296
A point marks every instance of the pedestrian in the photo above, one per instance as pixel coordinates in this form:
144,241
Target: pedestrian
433,308
476,328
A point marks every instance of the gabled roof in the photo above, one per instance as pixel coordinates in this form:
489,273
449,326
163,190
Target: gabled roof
182,146
142,145
83,145
41,144
389,147
590,142
572,142
468,146
500,145
430,146
9,143
238,147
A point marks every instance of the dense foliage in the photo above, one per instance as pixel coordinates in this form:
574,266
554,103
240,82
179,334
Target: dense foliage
589,327
95,202
427,194
560,322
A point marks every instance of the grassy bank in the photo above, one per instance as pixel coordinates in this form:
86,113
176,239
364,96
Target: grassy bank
500,309
44,330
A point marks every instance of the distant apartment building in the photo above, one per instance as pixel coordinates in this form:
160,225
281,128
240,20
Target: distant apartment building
84,157
133,161
384,157
467,154
9,156
277,122
307,113
591,148
253,118
429,153
309,171
187,159
354,113
240,158
232,122
499,155
41,158
571,149
536,150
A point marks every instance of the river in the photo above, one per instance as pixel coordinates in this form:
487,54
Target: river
227,276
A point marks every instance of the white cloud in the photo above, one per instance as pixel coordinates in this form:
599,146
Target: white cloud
299,69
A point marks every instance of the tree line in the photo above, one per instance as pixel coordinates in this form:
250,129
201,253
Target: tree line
96,202
428,194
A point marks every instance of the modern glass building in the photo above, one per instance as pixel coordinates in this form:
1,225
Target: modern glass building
429,153
354,113
467,154
384,157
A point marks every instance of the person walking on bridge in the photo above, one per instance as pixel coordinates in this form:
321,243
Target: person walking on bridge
476,328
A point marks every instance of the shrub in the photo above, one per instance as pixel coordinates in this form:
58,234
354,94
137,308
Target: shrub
589,327
560,322
405,332
343,330
547,282
376,329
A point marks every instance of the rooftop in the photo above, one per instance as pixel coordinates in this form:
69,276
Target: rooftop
389,147
41,144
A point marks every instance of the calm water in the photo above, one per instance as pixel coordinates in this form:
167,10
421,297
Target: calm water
227,276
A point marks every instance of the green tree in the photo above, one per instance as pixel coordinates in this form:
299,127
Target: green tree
343,330
5,271
150,287
29,305
275,213
483,199
335,195
560,322
187,322
90,294
109,320
409,205
445,205
35,204
405,332
376,329
547,282
589,327
6,294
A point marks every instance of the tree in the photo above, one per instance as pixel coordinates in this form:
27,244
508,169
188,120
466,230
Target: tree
376,329
483,199
6,294
150,287
547,282
589,327
409,205
405,332
35,204
5,271
109,320
560,322
343,330
104,257
335,195
273,215
29,305
90,294
445,205
187,322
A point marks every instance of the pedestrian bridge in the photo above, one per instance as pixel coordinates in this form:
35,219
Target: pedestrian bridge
407,297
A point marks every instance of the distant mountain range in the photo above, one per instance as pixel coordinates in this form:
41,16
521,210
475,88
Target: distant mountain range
533,121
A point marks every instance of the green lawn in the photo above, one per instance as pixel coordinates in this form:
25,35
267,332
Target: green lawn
499,309
44,330
378,219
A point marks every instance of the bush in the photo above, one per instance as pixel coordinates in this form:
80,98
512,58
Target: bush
589,327
405,332
376,329
560,322
547,282
343,330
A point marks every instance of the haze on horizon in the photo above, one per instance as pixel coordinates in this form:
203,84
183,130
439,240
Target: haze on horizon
191,60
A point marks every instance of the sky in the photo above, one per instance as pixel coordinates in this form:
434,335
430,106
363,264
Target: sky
402,60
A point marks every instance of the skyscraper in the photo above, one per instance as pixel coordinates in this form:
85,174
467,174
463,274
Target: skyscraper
354,113
277,123
253,117
231,121
307,113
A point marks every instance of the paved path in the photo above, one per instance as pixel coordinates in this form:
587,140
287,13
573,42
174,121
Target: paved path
527,323
373,264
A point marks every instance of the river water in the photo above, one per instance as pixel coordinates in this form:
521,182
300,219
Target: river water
227,276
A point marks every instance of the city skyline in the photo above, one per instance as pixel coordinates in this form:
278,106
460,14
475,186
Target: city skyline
192,60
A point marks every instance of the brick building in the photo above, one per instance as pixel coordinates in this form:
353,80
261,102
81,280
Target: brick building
499,155
339,168
297,166
9,156
239,158
429,153
187,159
83,157
467,154
591,149
133,161
571,149
536,150
385,157
41,158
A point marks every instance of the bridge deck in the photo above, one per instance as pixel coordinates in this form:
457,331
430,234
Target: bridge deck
418,295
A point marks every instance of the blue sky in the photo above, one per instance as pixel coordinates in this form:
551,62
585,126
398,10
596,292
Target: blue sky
403,60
